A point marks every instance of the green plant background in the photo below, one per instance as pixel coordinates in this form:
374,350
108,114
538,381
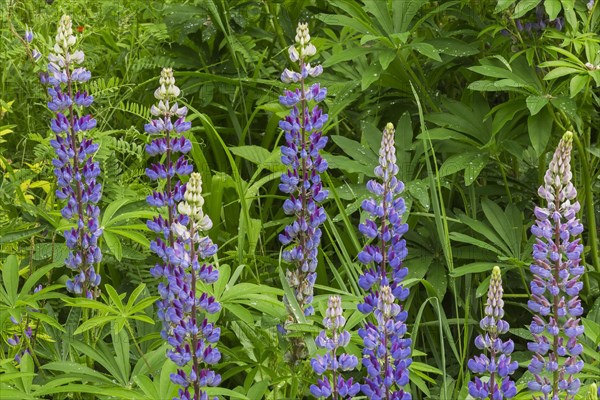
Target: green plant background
478,104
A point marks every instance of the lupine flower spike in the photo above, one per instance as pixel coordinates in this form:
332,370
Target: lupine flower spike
75,169
386,353
497,362
302,181
182,247
555,286
331,365
190,334
168,142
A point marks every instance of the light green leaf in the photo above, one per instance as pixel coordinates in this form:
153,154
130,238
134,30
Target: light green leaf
553,7
524,6
536,103
427,50
472,268
577,84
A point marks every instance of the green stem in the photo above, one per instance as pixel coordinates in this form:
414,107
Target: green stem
589,207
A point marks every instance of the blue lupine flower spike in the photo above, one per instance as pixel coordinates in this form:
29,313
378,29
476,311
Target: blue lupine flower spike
331,364
182,248
302,181
386,353
496,362
75,169
556,283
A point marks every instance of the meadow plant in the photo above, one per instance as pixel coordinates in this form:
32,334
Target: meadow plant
75,169
330,365
497,362
555,286
191,335
386,353
302,180
182,250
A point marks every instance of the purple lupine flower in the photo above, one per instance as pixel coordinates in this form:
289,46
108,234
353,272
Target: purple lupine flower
28,35
75,169
302,181
386,353
330,365
497,362
181,248
191,336
555,286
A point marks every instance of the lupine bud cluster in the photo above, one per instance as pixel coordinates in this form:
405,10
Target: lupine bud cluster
541,22
330,365
21,342
190,334
182,247
497,363
75,169
302,181
555,286
386,354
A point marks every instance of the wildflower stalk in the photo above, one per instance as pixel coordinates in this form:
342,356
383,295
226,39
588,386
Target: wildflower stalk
75,169
386,353
302,181
498,365
556,283
182,248
332,339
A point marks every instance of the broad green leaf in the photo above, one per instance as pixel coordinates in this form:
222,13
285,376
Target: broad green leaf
536,103
553,7
561,71
14,236
346,55
112,208
523,7
379,9
453,47
567,105
540,129
113,243
577,84
461,237
503,5
457,162
472,268
474,168
10,278
255,154
356,151
427,50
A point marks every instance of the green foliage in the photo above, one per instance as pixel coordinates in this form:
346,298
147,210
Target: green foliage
478,103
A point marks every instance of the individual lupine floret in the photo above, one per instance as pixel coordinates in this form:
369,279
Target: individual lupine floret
386,353
331,365
496,362
32,52
302,180
555,286
75,169
191,336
